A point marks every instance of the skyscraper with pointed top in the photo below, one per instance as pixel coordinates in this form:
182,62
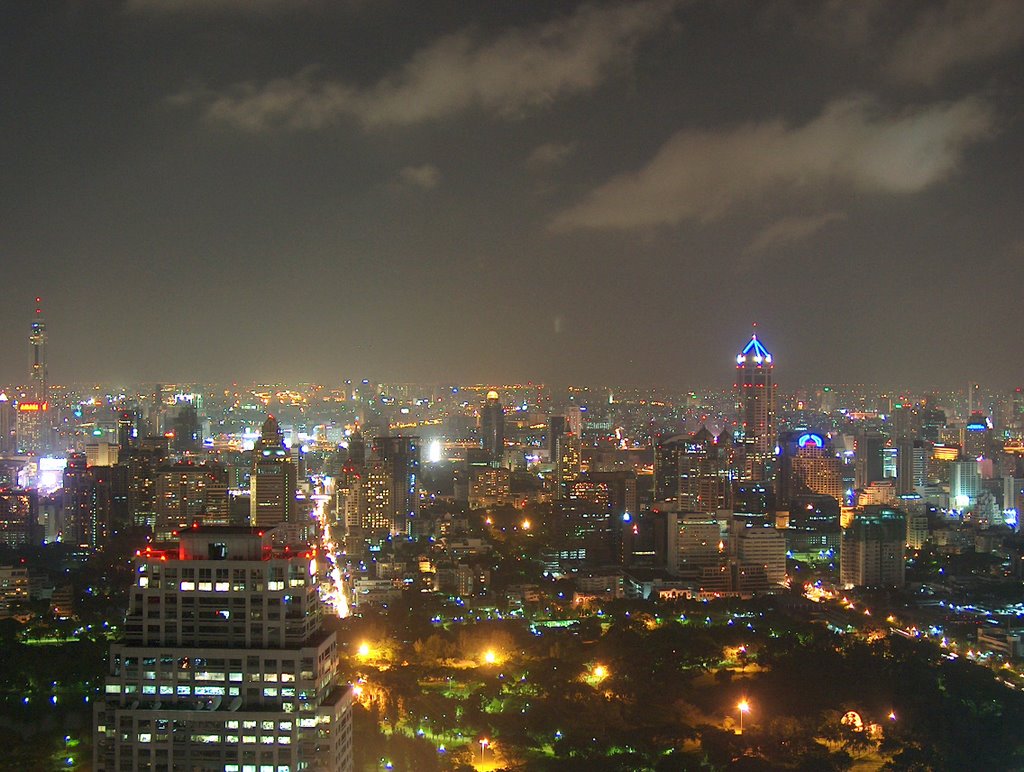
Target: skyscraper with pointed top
273,479
755,405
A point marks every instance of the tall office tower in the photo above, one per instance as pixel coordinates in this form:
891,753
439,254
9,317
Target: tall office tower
187,492
868,468
273,480
933,421
977,437
136,483
705,482
188,437
964,484
755,403
492,426
762,546
666,467
225,664
556,428
1016,417
127,429
8,426
568,461
904,419
974,397
913,461
377,517
807,465
871,550
687,543
19,517
350,496
79,526
585,532
574,420
400,456
357,450
155,417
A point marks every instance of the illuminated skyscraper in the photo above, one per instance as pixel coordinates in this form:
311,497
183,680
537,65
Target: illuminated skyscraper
492,426
8,424
807,465
400,472
755,403
186,492
568,461
272,483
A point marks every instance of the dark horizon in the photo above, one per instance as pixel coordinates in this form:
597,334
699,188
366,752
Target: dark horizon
595,192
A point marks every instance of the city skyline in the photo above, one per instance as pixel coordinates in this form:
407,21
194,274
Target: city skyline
416,202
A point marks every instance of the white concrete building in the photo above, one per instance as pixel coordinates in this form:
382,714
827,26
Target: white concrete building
224,664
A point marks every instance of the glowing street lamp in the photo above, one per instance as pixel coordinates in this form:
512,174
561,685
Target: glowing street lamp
484,744
490,657
743,706
363,651
600,672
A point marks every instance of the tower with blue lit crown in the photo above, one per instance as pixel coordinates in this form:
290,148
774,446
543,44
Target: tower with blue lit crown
755,406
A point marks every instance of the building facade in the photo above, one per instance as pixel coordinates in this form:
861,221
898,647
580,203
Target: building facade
224,663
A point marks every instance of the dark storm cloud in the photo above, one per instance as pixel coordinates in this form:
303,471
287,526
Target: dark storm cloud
519,70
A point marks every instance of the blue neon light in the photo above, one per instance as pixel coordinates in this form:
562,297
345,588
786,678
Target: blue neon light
810,439
756,348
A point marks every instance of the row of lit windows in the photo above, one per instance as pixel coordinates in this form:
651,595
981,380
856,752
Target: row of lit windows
231,739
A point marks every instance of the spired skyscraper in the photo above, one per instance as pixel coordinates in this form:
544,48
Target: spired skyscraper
272,484
755,404
37,339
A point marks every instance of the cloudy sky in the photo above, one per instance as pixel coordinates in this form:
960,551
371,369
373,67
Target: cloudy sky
456,191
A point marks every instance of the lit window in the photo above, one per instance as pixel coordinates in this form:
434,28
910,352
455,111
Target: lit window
188,586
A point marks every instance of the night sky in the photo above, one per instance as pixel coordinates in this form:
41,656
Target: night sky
488,191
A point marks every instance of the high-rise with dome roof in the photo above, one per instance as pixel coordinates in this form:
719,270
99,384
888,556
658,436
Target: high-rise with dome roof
492,426
755,404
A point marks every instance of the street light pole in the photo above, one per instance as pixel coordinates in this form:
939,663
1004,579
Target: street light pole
743,707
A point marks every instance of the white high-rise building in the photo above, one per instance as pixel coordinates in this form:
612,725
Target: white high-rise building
763,546
224,664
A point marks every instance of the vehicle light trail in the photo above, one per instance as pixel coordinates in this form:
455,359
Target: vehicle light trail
332,592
